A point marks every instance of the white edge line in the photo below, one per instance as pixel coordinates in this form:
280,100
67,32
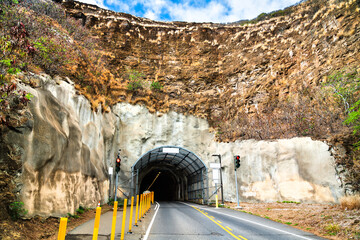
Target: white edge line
157,207
245,220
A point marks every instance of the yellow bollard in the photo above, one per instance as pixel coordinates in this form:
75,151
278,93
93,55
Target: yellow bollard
141,206
123,220
131,214
152,197
62,229
217,201
140,209
96,224
137,209
147,203
112,237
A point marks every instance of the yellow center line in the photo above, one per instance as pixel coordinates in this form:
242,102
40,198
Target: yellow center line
219,221
212,217
228,228
241,237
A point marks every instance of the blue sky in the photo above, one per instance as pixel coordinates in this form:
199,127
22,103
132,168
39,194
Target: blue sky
217,11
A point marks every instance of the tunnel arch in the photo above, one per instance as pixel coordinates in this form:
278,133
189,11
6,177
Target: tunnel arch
183,175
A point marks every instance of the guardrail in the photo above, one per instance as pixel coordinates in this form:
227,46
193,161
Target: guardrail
142,207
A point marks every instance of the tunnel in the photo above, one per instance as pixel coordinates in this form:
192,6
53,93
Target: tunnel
173,173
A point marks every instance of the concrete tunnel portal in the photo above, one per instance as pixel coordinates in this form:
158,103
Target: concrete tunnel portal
173,173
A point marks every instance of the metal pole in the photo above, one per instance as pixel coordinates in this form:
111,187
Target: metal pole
237,191
137,182
132,183
116,185
221,182
110,176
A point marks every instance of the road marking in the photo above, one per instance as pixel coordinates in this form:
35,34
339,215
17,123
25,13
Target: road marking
219,221
262,225
228,228
212,217
242,238
157,207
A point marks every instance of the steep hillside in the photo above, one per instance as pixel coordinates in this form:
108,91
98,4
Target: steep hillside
287,74
262,80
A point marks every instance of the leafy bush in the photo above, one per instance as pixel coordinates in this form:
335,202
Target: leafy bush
332,229
80,210
345,85
156,86
17,210
135,80
354,120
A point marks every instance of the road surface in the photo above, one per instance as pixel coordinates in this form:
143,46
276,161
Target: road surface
177,220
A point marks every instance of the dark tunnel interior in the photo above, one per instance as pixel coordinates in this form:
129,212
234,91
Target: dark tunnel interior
164,187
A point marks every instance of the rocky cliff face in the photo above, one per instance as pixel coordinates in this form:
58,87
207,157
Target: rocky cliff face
251,75
226,87
62,148
66,149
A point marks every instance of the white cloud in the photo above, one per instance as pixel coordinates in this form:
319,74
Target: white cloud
212,12
99,3
196,10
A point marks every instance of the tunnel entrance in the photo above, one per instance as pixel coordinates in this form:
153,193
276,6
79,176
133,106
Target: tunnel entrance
173,173
163,183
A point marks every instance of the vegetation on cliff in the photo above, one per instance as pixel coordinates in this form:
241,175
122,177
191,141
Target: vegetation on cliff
276,77
285,74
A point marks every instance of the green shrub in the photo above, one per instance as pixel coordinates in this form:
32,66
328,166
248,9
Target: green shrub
156,86
332,229
80,210
17,210
135,80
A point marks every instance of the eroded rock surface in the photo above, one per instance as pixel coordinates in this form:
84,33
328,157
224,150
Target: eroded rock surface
67,148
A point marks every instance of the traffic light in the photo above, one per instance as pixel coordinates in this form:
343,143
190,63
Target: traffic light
117,164
237,161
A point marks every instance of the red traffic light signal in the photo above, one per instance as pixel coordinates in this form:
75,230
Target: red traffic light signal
117,164
237,161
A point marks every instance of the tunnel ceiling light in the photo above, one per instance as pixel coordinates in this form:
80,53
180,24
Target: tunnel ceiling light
170,150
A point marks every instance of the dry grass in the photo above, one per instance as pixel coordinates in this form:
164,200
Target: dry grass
350,202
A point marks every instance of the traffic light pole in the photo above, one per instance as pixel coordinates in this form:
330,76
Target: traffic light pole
237,191
116,185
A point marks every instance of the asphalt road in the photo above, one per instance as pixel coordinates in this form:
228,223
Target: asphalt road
177,220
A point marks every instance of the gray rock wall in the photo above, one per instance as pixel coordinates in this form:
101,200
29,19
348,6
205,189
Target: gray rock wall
67,149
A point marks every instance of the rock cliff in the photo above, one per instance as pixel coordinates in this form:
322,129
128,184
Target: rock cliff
248,75
253,89
66,149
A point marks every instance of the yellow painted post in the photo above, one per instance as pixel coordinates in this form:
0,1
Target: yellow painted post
142,205
217,201
137,210
112,237
140,209
123,220
145,202
97,223
152,197
62,229
149,204
131,214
